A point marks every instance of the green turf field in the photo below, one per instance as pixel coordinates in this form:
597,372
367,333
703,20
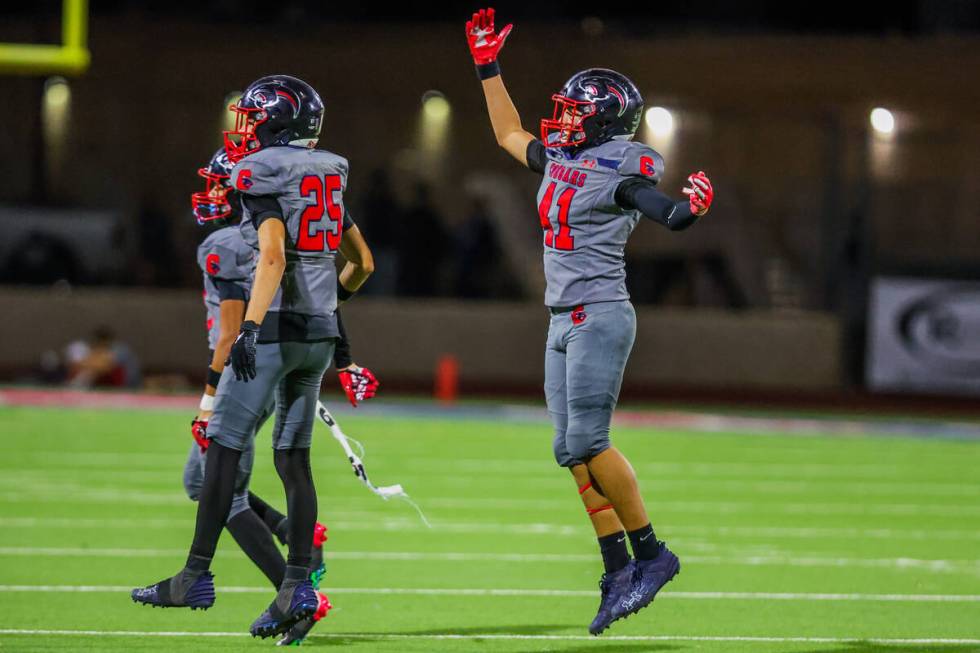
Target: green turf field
788,543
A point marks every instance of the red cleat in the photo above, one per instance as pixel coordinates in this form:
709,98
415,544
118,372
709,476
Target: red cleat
324,607
319,535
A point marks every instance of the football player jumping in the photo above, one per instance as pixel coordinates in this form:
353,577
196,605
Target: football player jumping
291,196
597,185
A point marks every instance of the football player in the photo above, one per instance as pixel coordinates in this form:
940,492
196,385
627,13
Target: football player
597,186
292,201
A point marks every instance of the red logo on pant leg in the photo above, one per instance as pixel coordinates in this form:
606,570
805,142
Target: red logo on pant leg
578,315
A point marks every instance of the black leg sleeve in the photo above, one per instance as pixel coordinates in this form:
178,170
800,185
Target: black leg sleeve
293,466
214,503
275,520
255,539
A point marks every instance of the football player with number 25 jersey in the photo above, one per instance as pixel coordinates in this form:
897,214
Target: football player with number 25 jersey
597,185
292,200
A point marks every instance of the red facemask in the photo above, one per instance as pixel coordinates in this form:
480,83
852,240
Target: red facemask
212,203
242,141
566,122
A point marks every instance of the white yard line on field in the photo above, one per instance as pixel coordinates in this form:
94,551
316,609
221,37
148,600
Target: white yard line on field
454,591
765,532
919,641
758,560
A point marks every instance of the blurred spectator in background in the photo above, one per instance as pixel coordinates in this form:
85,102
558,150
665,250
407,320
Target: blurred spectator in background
101,360
424,247
477,254
380,220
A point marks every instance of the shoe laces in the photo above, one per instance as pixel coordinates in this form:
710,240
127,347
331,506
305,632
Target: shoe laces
603,586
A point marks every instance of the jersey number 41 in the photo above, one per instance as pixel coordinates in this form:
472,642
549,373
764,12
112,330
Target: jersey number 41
563,239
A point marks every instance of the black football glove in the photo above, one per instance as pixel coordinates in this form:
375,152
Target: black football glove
242,356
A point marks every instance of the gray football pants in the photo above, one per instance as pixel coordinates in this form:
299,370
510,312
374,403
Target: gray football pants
194,471
583,371
290,373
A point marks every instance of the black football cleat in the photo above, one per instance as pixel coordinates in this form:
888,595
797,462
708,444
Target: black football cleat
181,591
291,605
614,586
649,576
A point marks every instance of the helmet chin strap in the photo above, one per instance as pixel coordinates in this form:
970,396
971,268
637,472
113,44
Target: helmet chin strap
305,142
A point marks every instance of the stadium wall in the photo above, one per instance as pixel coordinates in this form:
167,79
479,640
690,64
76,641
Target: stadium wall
499,346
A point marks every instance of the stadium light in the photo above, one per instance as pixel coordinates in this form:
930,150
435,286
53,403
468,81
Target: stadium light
55,114
56,102
882,121
434,122
435,106
659,121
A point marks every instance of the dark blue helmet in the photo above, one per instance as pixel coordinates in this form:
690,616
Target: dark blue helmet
274,110
218,204
594,106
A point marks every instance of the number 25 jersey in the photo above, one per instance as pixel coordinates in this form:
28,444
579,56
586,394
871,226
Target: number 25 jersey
304,187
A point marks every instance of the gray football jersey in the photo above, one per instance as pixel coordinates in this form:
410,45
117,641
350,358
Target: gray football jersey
223,257
585,232
309,186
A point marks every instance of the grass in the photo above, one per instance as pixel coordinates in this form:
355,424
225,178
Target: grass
822,544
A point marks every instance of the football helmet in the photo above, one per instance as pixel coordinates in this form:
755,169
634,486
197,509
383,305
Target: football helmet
217,205
594,106
274,110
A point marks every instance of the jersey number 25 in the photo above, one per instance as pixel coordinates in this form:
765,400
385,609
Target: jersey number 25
564,239
322,190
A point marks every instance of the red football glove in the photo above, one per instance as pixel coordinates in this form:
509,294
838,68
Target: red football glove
484,44
199,429
699,192
359,383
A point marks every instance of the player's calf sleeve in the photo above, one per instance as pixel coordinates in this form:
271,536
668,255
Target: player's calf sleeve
215,500
275,520
255,539
293,466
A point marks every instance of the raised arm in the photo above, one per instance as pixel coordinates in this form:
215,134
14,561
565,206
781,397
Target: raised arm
485,45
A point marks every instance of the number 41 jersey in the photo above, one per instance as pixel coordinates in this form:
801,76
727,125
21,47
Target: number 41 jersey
585,231
304,187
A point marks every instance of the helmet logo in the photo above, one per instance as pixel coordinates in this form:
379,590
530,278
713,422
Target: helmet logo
619,96
293,101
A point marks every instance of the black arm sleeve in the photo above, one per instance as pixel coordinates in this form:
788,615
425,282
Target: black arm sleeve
536,156
348,220
642,195
341,353
261,208
229,290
